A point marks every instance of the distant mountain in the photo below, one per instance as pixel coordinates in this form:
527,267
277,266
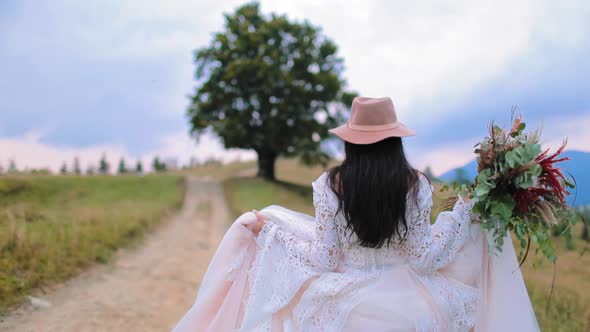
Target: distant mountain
578,166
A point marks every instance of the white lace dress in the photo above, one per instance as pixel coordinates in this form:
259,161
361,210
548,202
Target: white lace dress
309,274
312,275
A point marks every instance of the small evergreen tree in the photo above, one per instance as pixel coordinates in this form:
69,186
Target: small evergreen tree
12,166
64,169
103,165
122,166
156,164
139,167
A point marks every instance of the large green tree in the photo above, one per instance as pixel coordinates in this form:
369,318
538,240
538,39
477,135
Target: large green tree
269,84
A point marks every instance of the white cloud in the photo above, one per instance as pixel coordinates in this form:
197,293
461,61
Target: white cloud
135,29
408,50
575,129
413,51
29,152
182,147
445,157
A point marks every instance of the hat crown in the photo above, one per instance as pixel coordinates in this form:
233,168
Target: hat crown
371,120
367,111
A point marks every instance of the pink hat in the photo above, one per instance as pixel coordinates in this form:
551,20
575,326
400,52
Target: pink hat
371,120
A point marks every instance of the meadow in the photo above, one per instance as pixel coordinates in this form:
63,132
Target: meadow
569,307
53,227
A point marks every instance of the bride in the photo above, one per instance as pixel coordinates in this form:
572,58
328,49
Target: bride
370,260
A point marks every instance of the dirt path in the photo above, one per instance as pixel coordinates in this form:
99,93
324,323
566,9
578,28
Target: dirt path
143,289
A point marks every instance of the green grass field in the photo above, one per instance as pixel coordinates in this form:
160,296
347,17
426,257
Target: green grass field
245,194
569,309
52,227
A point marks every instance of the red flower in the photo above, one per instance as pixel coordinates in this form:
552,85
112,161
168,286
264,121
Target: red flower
525,197
551,175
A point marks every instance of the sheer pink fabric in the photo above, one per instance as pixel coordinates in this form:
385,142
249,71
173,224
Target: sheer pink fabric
273,282
504,302
395,302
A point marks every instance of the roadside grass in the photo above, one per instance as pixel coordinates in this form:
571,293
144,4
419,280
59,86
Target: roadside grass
220,171
568,310
293,171
245,194
53,227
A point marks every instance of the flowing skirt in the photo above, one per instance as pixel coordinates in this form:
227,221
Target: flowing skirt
241,290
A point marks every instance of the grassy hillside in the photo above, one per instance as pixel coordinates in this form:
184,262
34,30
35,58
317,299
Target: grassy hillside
569,309
53,227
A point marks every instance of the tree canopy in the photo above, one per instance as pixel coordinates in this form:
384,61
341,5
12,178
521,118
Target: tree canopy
269,84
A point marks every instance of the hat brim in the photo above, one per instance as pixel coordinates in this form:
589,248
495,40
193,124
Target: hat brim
368,137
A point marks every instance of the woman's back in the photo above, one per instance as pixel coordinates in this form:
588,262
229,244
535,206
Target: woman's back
353,254
393,269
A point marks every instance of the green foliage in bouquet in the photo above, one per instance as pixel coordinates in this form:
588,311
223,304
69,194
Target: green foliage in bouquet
519,189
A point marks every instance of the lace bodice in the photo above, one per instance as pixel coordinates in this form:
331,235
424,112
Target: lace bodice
427,247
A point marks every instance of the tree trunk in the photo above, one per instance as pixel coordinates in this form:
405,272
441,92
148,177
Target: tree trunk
586,231
266,165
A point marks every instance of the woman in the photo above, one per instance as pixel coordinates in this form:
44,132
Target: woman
370,260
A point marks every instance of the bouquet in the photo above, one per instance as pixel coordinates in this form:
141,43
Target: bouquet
520,188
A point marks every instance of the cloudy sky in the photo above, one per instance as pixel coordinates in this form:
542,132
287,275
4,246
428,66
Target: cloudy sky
82,78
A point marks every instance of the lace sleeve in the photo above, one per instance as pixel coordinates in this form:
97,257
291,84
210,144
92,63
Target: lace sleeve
430,247
323,251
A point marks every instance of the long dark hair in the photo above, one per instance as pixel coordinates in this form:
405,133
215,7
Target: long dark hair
372,184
